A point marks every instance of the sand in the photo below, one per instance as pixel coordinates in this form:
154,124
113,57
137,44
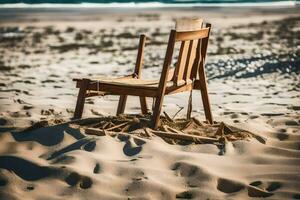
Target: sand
253,72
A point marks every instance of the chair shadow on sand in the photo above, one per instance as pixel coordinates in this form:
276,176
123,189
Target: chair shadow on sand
54,135
48,136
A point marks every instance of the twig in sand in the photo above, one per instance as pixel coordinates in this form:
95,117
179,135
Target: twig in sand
170,129
148,132
125,128
177,112
117,126
168,117
197,121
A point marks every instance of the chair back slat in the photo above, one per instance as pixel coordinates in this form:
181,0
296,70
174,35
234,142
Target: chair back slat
196,61
190,59
182,59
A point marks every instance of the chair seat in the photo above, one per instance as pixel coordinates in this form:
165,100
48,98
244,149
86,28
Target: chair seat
126,81
131,82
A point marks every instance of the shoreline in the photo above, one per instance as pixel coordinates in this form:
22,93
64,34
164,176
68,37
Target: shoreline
149,5
23,16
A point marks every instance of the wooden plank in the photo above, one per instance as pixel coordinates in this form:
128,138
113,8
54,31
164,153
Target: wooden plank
183,136
181,63
195,66
192,35
190,59
94,131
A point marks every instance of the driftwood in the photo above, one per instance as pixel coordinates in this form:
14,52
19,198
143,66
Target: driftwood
117,126
170,129
183,136
150,132
94,131
168,117
180,130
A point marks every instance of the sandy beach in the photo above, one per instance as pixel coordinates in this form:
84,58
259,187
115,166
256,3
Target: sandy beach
253,67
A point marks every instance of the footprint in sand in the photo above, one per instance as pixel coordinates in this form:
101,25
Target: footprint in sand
30,187
3,121
184,195
291,123
256,183
3,180
255,189
257,192
74,178
282,136
97,168
229,186
86,182
260,189
131,149
133,146
273,186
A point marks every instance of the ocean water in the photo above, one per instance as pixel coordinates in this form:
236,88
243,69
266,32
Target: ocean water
145,3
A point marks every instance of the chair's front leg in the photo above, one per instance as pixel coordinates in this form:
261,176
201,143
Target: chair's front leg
122,104
81,98
157,110
163,80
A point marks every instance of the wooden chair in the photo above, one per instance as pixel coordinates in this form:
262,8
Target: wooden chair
182,78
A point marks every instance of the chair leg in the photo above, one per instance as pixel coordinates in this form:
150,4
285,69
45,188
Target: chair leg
144,106
206,104
122,104
81,99
190,106
156,111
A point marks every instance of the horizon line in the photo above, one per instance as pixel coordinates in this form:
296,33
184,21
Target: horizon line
148,5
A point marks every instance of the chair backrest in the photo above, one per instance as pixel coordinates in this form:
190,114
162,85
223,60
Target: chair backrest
192,53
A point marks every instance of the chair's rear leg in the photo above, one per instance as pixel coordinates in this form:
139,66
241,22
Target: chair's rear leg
157,110
144,106
205,98
206,106
81,99
122,104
